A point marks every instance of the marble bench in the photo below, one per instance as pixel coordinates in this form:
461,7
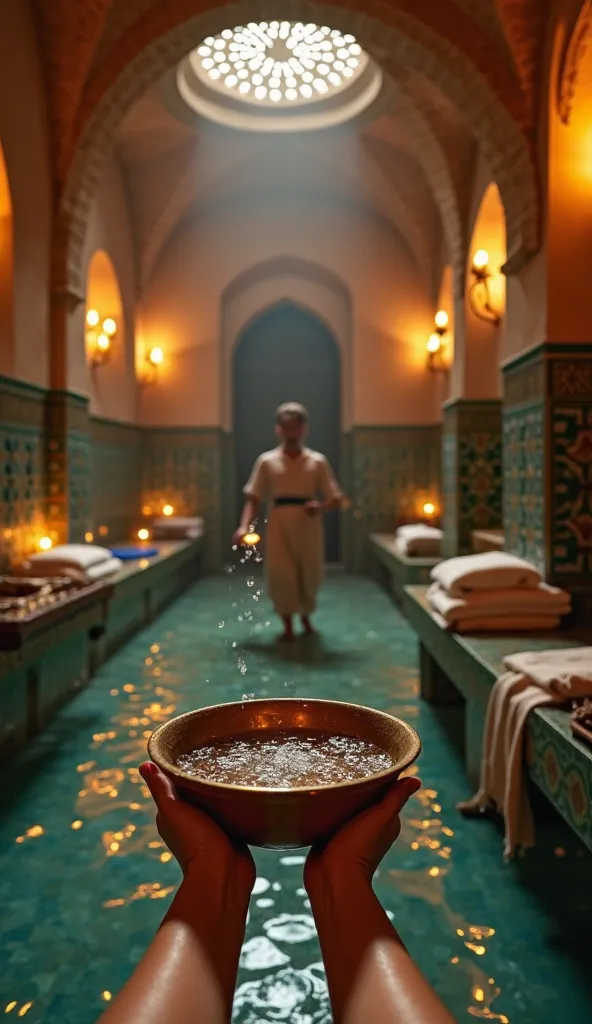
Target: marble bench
49,659
395,571
459,669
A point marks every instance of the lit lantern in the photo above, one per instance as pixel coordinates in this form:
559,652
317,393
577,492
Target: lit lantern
168,510
92,318
429,509
89,537
45,544
109,327
480,260
143,534
156,356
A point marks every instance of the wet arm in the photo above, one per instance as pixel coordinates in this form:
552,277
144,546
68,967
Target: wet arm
249,513
370,975
188,974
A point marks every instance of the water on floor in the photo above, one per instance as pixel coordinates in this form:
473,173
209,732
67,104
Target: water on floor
84,878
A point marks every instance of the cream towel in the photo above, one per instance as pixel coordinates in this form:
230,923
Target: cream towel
566,673
491,570
541,600
419,530
549,677
418,547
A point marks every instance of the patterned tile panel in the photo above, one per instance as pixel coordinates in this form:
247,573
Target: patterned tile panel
22,469
562,770
524,482
392,469
472,465
68,467
184,467
571,528
116,478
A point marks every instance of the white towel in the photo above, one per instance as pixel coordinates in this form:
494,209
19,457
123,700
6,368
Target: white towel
103,569
526,601
551,677
566,673
418,547
491,570
419,530
68,556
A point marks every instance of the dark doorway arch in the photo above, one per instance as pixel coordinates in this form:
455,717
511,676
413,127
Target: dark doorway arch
287,355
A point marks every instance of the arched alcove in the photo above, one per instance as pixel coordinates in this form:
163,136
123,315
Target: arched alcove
570,196
483,334
6,273
286,353
107,368
302,283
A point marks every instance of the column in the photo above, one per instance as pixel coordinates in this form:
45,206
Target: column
547,428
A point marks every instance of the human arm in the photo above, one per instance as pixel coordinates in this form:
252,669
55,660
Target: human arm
188,974
327,486
370,974
255,491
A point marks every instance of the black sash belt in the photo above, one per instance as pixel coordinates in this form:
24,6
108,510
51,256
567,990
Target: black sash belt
291,501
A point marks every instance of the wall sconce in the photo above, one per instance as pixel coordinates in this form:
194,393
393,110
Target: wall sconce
435,344
152,363
99,337
479,292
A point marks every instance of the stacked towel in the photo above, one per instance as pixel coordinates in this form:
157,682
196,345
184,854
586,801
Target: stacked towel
85,563
533,679
419,541
494,592
178,528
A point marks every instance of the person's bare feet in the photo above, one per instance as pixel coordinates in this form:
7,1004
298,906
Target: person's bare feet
308,626
288,634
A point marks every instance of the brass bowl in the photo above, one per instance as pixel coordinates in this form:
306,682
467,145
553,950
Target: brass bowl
282,819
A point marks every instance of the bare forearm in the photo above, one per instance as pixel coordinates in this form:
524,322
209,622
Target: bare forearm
188,974
249,514
370,975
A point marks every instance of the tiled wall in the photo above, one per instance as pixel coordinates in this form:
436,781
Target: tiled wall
183,466
548,465
116,478
472,471
388,470
22,468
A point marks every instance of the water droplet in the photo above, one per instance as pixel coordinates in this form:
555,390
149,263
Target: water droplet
221,625
251,696
251,582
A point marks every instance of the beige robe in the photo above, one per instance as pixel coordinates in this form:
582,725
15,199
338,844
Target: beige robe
294,543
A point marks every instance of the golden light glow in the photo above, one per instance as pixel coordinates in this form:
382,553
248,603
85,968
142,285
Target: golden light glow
76,825
92,317
10,1006
168,510
89,537
156,356
24,1009
442,320
479,995
251,539
481,259
107,995
147,510
429,509
434,344
103,531
45,544
143,534
103,342
109,327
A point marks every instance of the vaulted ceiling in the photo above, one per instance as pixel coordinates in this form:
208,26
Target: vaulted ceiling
409,164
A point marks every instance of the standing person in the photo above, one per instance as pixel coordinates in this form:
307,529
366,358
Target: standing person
291,478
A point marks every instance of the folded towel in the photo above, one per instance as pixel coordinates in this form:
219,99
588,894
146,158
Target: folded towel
551,677
509,624
67,556
103,569
491,570
541,600
419,530
566,673
418,547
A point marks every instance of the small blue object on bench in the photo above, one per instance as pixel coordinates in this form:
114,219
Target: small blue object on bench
462,669
129,554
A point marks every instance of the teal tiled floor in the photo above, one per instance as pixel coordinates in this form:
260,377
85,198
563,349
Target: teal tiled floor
84,879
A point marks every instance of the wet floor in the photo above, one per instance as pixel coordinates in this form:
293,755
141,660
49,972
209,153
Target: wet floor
84,878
